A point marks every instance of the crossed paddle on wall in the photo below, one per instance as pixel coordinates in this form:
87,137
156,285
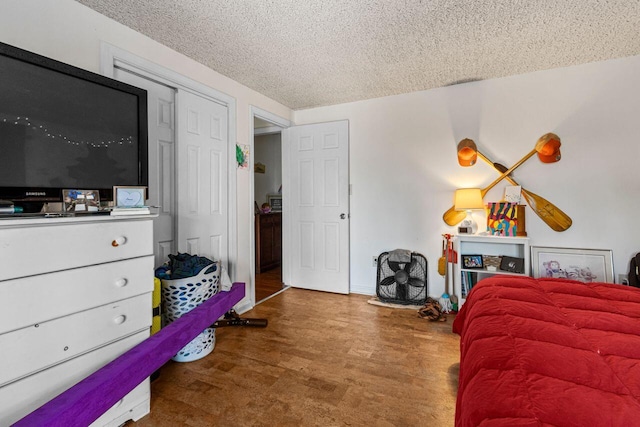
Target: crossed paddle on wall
548,150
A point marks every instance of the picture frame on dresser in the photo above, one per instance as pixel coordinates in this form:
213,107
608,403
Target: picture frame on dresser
80,201
129,196
584,265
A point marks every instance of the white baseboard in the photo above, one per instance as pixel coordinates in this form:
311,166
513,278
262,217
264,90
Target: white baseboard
362,289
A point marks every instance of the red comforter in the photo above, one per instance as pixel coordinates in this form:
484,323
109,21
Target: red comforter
538,352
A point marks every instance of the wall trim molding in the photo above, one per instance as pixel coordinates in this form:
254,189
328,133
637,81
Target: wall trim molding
362,289
269,130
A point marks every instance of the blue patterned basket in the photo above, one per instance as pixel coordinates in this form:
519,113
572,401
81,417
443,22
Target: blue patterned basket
180,296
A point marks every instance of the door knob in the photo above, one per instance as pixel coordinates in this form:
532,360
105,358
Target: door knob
343,216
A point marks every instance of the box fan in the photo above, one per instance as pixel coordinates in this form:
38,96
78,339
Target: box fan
402,282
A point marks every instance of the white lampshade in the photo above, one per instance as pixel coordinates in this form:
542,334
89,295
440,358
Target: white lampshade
467,199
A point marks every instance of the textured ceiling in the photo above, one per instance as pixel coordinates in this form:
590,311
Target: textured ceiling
308,53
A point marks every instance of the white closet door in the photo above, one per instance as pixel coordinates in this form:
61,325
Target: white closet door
161,108
202,177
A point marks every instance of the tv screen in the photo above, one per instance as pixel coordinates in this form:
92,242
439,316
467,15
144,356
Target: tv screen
62,127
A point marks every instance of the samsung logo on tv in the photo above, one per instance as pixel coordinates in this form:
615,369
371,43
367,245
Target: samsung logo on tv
35,193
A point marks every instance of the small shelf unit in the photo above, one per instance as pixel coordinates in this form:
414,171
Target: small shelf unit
471,244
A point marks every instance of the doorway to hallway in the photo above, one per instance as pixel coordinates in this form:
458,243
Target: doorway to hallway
268,236
268,209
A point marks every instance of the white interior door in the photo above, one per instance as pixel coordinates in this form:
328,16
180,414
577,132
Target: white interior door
161,109
316,206
202,177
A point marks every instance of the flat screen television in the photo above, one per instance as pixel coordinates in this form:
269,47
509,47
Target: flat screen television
62,127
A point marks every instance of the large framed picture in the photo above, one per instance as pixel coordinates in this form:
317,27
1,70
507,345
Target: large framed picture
584,265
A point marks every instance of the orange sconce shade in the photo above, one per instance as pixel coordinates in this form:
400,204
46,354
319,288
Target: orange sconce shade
467,152
548,148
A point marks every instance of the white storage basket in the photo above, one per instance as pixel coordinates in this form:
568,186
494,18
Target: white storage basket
180,296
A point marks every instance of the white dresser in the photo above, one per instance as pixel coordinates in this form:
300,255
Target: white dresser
75,294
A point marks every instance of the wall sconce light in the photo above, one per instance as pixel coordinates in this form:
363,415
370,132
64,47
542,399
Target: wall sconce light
548,148
468,199
467,152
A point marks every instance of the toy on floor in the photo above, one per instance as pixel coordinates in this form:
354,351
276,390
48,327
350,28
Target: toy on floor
231,318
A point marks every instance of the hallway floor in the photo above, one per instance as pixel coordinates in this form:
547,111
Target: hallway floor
268,283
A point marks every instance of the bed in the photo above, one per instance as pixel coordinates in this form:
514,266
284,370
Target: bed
549,352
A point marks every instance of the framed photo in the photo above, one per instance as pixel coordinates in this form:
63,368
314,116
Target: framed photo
129,197
472,261
275,201
512,264
584,265
81,201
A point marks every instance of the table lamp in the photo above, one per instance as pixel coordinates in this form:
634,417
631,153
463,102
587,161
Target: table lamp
468,199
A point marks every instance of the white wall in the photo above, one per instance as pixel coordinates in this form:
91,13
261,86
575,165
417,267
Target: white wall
268,151
404,168
71,33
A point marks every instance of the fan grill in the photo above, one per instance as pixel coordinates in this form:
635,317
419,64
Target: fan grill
402,283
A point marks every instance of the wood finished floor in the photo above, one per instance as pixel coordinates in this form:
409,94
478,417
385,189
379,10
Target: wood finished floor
323,360
268,283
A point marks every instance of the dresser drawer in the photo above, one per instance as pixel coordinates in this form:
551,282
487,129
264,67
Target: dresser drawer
37,347
22,397
27,251
36,299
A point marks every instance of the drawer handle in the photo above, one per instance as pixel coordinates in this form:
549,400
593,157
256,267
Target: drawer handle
120,319
119,241
122,282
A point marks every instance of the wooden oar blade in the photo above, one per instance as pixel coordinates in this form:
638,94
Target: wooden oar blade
553,216
453,217
548,212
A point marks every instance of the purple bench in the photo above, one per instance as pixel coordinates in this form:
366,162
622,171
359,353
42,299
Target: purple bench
86,401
